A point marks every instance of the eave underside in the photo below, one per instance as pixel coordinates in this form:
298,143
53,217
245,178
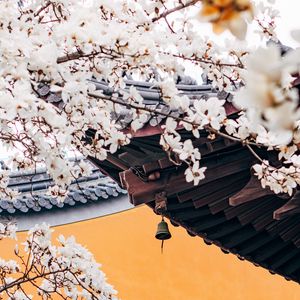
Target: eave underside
247,230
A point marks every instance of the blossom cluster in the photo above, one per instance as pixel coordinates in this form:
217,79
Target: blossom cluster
8,230
265,18
228,14
67,270
59,47
202,114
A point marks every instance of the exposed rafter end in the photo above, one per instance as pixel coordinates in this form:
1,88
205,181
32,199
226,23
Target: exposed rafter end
252,191
290,208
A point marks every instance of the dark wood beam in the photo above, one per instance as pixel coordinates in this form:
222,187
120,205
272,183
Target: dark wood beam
290,208
250,192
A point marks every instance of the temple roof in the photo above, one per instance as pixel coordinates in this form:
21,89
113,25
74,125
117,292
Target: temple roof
151,95
229,208
87,198
33,185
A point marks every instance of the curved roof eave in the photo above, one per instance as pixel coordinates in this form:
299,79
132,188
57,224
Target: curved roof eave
89,197
70,214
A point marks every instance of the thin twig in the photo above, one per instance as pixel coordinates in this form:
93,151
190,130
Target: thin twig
178,119
174,9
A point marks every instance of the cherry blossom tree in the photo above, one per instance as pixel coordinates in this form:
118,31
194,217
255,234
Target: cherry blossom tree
63,44
65,270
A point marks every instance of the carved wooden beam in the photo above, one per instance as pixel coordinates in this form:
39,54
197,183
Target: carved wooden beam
252,191
160,202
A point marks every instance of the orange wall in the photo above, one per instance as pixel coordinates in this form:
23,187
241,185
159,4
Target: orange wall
187,270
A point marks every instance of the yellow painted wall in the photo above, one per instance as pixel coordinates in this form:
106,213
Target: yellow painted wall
188,270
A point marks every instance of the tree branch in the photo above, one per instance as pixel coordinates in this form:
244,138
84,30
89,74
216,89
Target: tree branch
174,9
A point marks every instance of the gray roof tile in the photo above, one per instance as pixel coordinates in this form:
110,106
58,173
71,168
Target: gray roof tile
32,187
151,95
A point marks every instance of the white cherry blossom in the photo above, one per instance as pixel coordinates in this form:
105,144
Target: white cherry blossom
195,173
64,269
58,49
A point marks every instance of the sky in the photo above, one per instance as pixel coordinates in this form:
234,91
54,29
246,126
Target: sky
290,19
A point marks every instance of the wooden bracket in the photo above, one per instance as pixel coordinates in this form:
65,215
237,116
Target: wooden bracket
160,202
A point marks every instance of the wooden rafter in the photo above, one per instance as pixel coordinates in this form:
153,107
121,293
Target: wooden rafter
252,191
290,208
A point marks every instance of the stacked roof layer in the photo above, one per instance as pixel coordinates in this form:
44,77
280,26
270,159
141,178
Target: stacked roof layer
33,197
229,208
